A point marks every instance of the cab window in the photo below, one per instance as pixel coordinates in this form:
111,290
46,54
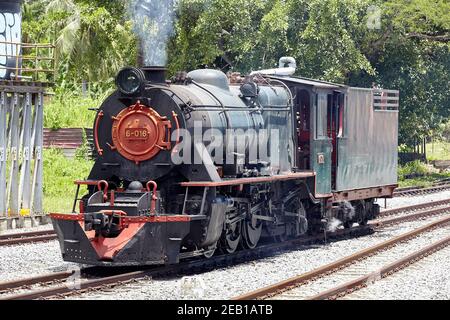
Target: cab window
321,116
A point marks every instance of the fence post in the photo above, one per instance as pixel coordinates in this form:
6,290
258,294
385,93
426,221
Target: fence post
14,170
38,157
3,154
25,181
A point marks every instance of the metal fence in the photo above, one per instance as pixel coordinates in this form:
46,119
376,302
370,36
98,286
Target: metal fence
21,163
27,72
405,157
69,140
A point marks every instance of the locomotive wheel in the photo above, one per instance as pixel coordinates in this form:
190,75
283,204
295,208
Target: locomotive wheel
251,233
231,238
362,209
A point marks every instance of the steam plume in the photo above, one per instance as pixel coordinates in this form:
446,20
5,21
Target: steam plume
333,225
153,23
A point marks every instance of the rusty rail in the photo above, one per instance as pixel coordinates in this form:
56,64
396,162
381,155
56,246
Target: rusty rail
29,237
391,212
338,265
419,191
385,271
14,284
409,217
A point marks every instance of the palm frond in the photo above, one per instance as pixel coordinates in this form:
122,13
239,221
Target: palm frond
69,37
62,5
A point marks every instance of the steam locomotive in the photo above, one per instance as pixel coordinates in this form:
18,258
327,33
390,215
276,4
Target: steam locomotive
210,163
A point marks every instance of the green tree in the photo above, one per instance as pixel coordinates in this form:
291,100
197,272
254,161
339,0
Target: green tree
421,19
93,38
324,35
332,40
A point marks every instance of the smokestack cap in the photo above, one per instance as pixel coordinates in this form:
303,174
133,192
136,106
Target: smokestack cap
155,74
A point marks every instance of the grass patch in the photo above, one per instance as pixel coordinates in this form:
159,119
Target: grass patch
70,112
59,175
419,174
425,181
439,150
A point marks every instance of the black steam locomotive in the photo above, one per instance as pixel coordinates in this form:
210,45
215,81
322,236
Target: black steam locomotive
208,162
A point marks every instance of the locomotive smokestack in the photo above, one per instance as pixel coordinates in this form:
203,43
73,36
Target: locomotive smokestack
155,74
140,61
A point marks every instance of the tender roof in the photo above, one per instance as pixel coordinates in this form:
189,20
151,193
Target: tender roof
310,82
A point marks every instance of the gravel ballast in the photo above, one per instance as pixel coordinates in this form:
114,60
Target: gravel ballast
428,279
31,259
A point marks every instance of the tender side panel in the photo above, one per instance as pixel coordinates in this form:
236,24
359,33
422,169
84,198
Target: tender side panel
367,152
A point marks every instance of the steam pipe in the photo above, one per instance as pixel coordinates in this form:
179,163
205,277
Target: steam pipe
105,189
283,70
149,186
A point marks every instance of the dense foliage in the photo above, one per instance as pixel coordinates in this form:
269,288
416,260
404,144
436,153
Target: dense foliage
395,44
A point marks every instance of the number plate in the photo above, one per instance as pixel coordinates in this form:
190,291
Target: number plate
137,134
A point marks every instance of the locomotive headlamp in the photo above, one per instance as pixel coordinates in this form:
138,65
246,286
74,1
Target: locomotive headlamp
130,80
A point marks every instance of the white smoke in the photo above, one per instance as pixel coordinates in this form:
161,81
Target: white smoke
153,23
349,214
348,209
333,225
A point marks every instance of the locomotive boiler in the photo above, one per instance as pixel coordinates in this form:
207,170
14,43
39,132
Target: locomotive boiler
211,163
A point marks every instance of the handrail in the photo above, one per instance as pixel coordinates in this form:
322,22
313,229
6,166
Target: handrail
26,43
31,60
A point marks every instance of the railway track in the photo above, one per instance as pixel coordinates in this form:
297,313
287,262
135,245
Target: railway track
385,271
414,191
351,271
8,291
39,236
413,208
184,267
28,237
47,235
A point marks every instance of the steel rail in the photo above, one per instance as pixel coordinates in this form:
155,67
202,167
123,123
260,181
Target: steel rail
14,284
395,211
84,285
409,217
26,234
27,239
385,271
338,265
420,191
